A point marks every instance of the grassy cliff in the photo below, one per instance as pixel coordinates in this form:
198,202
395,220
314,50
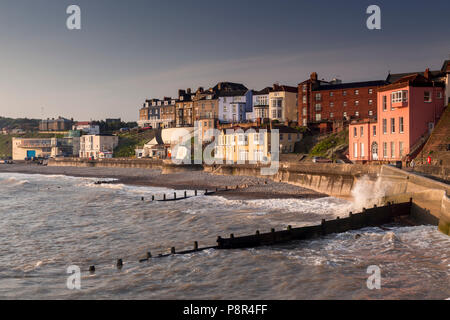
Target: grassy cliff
130,141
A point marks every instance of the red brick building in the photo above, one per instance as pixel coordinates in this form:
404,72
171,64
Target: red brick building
329,105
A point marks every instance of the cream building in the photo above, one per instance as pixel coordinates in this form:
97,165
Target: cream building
254,144
27,148
97,145
283,103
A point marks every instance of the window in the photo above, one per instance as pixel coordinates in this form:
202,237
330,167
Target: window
318,117
370,113
331,115
392,125
345,103
362,131
305,87
355,150
374,128
289,137
318,96
304,99
370,91
344,93
392,149
356,92
384,126
357,113
318,107
427,96
304,111
355,132
400,149
370,102
385,155
331,94
362,150
345,114
400,124
399,96
356,103
331,104
384,103
439,95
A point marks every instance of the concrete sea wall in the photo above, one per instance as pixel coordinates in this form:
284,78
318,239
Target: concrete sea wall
106,163
333,179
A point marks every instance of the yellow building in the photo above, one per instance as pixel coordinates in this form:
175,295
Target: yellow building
254,144
283,103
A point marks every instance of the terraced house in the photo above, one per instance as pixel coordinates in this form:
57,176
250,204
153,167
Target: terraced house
283,103
326,105
184,109
150,114
408,110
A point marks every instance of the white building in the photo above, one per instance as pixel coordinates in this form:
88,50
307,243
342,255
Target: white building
97,146
86,127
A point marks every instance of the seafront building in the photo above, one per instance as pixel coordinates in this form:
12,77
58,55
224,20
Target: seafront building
327,105
29,148
98,146
283,103
253,143
407,112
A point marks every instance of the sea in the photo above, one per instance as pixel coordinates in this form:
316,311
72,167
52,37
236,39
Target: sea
53,226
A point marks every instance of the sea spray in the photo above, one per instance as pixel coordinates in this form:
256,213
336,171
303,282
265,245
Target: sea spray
367,193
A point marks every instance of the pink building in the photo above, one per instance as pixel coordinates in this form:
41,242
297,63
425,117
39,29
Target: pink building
407,110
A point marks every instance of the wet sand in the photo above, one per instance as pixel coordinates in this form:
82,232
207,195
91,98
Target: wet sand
248,187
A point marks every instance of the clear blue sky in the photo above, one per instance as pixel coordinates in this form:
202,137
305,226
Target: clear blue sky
131,50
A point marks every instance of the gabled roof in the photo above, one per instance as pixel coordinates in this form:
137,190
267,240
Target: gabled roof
391,78
266,90
413,80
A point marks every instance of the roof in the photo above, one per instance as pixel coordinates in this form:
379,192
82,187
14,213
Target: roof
281,129
413,80
350,85
446,66
233,93
266,90
278,88
391,78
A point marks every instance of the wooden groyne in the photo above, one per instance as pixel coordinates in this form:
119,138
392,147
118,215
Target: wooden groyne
373,217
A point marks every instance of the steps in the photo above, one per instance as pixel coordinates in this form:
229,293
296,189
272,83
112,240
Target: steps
438,143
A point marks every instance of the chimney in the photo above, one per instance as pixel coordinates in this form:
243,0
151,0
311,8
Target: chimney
427,74
314,76
181,92
200,89
188,90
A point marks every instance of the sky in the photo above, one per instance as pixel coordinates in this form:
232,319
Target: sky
131,50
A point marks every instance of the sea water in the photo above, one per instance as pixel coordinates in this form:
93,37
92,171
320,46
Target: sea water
49,223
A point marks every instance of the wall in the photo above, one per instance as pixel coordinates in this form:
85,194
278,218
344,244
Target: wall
112,163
